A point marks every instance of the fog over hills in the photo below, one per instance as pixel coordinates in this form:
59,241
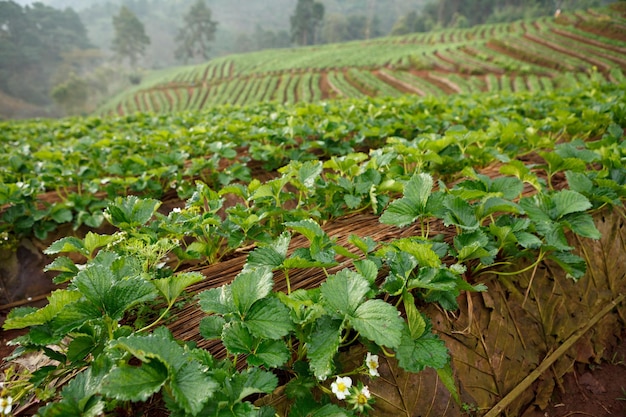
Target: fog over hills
238,20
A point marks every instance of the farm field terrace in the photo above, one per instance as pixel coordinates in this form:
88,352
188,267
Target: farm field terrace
133,208
533,55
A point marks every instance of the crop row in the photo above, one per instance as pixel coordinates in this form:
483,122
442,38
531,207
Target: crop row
83,162
466,185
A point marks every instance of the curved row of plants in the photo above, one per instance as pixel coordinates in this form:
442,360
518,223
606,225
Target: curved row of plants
57,172
524,47
411,162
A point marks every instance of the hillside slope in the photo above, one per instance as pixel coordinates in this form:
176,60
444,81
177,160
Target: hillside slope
547,53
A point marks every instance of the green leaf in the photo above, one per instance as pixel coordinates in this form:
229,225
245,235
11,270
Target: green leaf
498,205
257,381
217,300
251,286
343,292
67,244
416,354
272,255
440,279
323,344
568,201
510,187
57,301
135,383
399,213
94,241
172,286
159,345
270,353
422,251
79,397
418,189
211,327
415,321
80,347
521,171
582,224
62,215
237,339
352,201
62,264
579,182
269,318
309,173
75,315
308,228
65,266
378,321
460,214
113,297
447,378
192,388
413,204
528,240
573,265
367,269
131,211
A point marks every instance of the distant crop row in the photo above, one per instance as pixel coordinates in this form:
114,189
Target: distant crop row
520,56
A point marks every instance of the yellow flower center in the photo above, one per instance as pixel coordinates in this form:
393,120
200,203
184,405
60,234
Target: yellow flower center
341,386
361,399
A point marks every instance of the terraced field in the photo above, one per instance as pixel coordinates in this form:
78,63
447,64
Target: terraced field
547,53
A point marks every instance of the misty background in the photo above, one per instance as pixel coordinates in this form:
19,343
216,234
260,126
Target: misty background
57,58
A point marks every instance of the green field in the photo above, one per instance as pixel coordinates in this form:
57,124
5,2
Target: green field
234,242
444,62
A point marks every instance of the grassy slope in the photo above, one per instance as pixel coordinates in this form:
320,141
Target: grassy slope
458,60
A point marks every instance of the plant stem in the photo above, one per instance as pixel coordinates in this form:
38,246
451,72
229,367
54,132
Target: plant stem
158,320
287,281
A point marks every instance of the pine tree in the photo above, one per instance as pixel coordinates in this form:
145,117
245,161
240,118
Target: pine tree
130,39
197,32
304,22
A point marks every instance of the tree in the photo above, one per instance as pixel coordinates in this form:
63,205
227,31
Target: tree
130,39
305,21
33,40
71,94
198,31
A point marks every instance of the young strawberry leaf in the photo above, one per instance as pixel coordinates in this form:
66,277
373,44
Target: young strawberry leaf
135,383
412,205
323,344
268,319
426,351
172,287
131,212
379,322
67,244
211,327
57,301
269,353
191,387
113,297
415,321
343,292
249,287
460,214
217,300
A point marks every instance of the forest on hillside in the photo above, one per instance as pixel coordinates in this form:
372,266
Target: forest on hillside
61,57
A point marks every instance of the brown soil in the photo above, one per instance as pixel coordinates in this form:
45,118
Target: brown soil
591,390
